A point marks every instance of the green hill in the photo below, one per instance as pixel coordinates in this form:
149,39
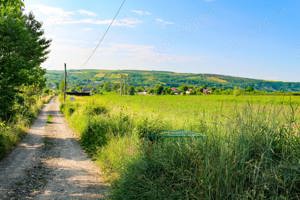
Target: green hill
91,78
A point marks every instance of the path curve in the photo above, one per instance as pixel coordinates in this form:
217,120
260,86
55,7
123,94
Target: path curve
50,164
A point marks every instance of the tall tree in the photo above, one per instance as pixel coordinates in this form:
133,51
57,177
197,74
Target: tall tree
22,50
12,6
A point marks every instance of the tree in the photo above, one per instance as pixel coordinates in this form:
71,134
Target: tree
237,91
140,89
167,90
183,88
131,90
107,87
249,89
159,89
22,50
9,6
62,86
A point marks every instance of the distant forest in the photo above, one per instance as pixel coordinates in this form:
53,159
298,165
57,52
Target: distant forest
110,80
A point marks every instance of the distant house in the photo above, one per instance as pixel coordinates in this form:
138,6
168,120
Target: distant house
86,90
175,91
52,85
74,91
142,93
207,91
189,91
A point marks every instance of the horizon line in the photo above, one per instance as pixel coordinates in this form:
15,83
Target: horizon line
149,70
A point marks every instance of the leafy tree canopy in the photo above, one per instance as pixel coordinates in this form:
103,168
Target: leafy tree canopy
23,49
11,6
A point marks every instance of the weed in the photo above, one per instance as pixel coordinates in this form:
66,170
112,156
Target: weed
49,119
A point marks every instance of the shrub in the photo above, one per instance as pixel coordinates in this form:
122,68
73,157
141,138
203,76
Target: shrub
115,157
148,127
95,135
95,110
121,124
7,139
69,108
12,131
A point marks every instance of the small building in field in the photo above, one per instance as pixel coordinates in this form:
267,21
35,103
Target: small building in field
84,92
142,93
189,91
207,91
175,91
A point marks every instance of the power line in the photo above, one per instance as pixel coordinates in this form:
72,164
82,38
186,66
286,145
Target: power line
105,33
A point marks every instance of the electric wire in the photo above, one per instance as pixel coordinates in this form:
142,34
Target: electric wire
105,33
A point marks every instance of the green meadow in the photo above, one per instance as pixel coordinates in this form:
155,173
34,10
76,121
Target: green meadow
183,112
248,146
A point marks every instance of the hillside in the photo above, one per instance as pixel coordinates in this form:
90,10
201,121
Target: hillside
151,78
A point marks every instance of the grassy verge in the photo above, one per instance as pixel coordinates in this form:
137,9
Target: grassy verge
12,132
253,152
49,119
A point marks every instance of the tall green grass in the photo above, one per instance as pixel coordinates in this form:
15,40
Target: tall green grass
12,131
7,138
250,151
254,156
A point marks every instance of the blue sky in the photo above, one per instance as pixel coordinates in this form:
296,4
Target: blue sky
249,38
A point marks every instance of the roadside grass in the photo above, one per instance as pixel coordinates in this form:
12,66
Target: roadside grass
11,132
254,156
7,138
251,150
49,119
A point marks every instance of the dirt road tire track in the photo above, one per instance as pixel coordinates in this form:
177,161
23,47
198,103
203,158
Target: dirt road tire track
49,164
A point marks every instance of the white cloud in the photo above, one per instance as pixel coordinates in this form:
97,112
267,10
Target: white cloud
118,56
87,29
141,12
87,13
163,22
128,22
58,16
51,15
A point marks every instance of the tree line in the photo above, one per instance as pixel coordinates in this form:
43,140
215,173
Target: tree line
161,89
23,48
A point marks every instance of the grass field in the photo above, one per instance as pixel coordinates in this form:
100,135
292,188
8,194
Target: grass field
250,147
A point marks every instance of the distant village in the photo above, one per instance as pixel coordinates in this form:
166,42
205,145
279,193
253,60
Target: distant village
177,91
91,89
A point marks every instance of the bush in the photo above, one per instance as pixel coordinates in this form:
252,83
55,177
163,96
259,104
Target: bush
8,138
5,142
95,135
121,124
148,127
69,108
115,157
95,110
12,131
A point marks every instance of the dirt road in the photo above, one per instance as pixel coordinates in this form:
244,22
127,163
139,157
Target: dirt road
50,164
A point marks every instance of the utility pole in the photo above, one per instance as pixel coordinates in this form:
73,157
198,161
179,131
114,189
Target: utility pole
121,85
65,89
124,85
